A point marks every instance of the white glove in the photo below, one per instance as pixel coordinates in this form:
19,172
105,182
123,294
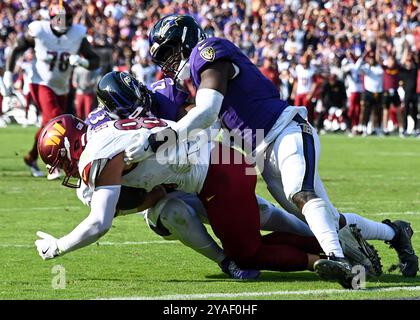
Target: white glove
76,60
47,246
8,83
138,150
144,146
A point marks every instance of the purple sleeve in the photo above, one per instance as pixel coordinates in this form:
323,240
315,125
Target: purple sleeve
168,97
205,53
97,117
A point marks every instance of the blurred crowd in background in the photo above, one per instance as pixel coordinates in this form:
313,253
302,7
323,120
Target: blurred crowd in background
352,63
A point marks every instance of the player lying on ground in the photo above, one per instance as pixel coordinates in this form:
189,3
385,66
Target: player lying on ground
231,88
179,215
120,100
97,157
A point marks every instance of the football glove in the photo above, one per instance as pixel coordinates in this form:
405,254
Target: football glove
76,60
143,146
138,150
47,246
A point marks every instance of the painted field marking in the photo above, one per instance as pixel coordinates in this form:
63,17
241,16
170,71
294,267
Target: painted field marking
259,294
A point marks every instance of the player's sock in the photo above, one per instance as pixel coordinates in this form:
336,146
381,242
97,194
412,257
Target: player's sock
370,230
323,224
33,153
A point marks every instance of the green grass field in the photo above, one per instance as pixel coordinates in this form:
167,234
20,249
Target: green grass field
376,177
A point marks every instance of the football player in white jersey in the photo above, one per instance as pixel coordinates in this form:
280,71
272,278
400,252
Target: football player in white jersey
178,215
97,156
57,44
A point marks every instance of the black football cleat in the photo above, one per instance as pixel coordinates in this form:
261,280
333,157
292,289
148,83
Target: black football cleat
336,270
409,262
358,251
230,268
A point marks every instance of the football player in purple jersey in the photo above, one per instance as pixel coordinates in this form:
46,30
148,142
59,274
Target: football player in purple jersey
121,96
286,147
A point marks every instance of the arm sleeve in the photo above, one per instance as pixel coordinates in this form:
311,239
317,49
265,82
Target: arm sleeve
103,206
208,105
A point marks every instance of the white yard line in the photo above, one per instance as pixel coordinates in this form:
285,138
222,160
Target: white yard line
405,213
260,294
29,209
374,201
105,243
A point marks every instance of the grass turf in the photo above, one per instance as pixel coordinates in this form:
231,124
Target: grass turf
378,178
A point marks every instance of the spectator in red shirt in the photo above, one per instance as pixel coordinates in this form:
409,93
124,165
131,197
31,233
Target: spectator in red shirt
269,69
390,96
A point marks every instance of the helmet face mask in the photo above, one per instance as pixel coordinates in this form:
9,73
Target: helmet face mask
172,40
168,56
61,18
123,97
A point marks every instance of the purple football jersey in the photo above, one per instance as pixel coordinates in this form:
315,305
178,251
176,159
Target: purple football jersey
168,98
251,101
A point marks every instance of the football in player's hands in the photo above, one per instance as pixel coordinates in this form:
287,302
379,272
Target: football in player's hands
46,246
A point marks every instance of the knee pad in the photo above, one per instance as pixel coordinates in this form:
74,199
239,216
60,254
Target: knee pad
169,218
265,209
153,217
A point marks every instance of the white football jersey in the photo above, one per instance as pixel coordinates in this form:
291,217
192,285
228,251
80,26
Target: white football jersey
113,137
304,79
353,78
50,65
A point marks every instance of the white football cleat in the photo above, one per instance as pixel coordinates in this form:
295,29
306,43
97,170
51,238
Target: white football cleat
56,174
33,166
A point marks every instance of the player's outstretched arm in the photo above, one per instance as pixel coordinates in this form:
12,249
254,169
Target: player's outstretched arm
103,205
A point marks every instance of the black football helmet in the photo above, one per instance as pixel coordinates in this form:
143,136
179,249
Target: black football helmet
172,39
122,96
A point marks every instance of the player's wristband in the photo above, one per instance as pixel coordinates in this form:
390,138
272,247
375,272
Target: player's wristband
159,138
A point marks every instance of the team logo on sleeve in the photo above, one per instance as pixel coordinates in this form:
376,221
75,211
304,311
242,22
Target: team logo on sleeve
208,53
306,128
